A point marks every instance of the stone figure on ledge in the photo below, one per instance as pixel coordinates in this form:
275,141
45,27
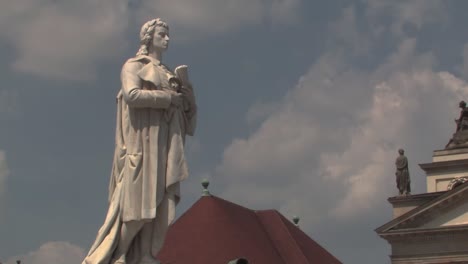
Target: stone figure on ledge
156,109
402,174
460,137
462,121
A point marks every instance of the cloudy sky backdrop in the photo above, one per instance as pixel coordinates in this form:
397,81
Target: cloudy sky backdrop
302,107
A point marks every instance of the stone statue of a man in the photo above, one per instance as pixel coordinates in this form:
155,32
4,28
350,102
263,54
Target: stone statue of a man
155,110
460,137
402,174
462,121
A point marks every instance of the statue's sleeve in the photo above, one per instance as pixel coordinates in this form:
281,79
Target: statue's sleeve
191,118
401,163
135,96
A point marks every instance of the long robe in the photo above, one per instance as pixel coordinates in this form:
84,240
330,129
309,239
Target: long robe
149,161
402,175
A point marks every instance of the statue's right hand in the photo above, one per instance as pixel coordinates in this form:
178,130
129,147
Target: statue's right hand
177,99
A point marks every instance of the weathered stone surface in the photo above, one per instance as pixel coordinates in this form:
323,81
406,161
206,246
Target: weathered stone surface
156,109
459,140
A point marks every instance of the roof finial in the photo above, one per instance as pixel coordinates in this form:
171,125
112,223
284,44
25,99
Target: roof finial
205,183
296,220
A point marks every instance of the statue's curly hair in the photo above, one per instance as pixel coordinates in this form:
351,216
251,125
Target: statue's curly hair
147,33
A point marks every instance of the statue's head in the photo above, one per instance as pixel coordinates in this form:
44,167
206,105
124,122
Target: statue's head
154,34
462,104
401,151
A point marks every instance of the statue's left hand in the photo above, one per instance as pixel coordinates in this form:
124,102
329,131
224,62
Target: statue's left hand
188,93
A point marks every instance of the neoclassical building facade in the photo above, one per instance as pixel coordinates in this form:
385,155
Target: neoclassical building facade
432,227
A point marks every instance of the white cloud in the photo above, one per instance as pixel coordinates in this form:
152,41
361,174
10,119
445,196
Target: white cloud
332,142
63,40
414,14
397,118
59,252
67,40
197,17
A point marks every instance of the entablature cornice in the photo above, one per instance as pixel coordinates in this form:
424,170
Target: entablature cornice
426,233
432,167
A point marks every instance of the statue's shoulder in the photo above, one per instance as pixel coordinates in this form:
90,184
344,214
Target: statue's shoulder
135,64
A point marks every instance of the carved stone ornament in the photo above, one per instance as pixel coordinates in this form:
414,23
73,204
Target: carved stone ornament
456,182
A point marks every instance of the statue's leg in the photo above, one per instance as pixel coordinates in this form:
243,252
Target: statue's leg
160,227
127,233
153,234
145,236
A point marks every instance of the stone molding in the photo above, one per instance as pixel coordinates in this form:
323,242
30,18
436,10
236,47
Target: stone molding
437,166
420,214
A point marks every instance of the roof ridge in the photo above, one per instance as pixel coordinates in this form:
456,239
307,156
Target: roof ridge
279,244
280,216
231,203
212,197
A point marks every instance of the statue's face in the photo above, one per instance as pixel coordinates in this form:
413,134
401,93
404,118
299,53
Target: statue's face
161,38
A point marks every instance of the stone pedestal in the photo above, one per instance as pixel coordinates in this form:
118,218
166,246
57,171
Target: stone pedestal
404,204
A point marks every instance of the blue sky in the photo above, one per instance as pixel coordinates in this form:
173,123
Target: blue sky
302,108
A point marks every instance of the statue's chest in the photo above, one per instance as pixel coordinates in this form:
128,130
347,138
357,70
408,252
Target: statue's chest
160,78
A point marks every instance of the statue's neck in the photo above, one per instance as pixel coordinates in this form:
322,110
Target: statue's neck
155,54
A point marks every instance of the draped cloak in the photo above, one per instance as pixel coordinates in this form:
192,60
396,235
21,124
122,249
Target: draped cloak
149,161
402,175
462,122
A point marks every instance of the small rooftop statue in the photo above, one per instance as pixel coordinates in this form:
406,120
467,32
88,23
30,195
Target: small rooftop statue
402,174
460,137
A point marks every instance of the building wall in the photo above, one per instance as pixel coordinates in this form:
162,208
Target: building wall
439,181
450,246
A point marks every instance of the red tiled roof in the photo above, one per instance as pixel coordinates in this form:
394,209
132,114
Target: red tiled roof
215,231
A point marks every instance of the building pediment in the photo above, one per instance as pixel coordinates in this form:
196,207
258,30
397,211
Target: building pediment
441,214
455,214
